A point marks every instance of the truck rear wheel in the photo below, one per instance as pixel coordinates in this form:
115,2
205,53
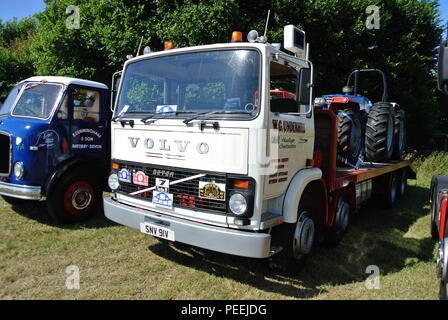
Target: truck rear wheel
350,135
335,234
391,194
380,129
296,239
402,182
400,136
76,197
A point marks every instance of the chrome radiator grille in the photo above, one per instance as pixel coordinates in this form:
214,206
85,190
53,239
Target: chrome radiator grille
5,154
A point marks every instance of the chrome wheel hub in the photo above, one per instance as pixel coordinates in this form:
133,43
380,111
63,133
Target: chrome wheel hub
81,199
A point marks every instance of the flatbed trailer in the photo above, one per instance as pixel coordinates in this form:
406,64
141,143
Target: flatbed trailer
381,181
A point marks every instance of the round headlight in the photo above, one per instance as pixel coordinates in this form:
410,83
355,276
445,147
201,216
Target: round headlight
113,181
238,204
19,171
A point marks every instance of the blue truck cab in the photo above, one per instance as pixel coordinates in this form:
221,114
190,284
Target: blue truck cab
55,145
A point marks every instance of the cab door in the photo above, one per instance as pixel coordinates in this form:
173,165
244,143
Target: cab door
89,133
295,131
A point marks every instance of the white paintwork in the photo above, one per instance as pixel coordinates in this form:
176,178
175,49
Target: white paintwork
66,81
179,147
295,191
237,147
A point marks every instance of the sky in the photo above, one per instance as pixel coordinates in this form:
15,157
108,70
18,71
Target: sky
24,8
19,8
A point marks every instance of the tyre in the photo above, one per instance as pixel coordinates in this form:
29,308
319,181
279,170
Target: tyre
335,234
350,136
76,197
379,138
438,183
14,201
402,183
296,239
400,136
434,213
442,268
391,191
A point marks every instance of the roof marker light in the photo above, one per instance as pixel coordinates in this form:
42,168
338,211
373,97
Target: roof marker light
168,45
237,36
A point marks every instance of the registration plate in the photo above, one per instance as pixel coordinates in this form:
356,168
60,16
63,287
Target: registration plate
157,231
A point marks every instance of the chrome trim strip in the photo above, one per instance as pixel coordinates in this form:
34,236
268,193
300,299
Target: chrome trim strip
20,191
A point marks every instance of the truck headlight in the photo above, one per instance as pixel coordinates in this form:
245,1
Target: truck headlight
113,182
19,171
238,204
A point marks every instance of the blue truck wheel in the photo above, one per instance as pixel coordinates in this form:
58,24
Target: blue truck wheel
76,197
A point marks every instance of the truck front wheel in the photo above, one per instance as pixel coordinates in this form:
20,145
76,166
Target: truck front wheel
296,239
75,197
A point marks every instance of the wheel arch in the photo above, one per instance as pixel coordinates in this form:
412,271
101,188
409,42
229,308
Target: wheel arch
73,164
306,180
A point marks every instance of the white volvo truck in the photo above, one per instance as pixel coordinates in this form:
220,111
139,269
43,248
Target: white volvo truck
219,147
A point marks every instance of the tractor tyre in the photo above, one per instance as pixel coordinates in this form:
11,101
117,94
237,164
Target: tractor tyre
379,140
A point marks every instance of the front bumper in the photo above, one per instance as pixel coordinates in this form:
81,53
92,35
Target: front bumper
240,243
20,191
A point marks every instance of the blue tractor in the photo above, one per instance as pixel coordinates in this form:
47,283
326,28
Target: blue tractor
374,132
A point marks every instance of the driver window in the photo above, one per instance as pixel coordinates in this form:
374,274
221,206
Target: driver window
63,110
86,105
283,88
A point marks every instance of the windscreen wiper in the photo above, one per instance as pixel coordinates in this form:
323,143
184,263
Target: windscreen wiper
122,114
152,118
211,113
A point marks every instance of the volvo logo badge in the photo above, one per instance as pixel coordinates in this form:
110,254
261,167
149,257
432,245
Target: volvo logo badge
165,145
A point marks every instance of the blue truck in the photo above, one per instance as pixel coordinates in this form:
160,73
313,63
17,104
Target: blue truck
55,145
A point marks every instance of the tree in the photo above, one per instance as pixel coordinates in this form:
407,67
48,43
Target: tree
404,46
15,59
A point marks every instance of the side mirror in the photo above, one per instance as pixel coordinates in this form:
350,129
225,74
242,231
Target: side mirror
443,67
116,78
304,86
306,91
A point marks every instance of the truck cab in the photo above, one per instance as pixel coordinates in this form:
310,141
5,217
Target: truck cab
54,137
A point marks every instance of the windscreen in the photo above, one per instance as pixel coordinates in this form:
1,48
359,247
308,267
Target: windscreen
7,105
37,100
199,82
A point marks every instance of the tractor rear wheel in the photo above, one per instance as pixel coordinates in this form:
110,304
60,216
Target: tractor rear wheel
350,136
380,133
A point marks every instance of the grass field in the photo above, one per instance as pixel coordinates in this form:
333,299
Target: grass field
117,262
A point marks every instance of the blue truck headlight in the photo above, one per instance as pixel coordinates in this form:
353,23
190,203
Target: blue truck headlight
113,182
238,204
19,170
